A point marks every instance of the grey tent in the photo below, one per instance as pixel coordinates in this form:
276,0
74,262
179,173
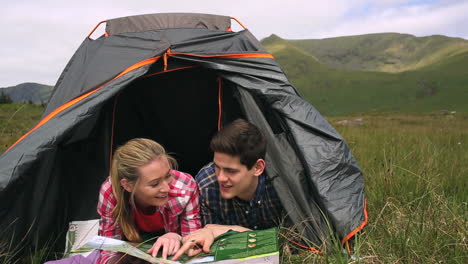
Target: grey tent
175,78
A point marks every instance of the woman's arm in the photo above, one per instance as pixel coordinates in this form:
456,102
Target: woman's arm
107,225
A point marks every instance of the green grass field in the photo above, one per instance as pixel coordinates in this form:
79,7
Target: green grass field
15,121
416,173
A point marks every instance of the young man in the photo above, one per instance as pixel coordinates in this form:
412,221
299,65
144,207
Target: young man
235,194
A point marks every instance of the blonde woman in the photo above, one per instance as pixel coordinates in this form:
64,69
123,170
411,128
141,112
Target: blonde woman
145,194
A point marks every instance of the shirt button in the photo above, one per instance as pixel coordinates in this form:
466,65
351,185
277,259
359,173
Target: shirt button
255,227
246,212
258,202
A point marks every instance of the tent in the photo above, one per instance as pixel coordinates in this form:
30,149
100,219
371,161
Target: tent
175,78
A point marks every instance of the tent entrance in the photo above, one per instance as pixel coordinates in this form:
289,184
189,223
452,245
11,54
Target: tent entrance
178,109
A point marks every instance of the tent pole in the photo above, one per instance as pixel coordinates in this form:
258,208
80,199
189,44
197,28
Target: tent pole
94,29
240,23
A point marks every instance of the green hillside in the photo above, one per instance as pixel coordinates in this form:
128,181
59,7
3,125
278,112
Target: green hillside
29,92
387,52
441,85
15,120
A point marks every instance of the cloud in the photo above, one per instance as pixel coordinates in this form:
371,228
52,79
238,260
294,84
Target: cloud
39,37
419,20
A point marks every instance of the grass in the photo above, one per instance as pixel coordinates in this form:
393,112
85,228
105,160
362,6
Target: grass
15,121
415,167
16,253
416,171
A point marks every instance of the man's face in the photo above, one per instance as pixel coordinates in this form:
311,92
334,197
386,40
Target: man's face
234,178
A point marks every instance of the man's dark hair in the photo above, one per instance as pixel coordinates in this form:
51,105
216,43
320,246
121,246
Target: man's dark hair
240,138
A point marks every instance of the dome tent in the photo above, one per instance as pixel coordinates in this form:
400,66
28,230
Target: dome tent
175,78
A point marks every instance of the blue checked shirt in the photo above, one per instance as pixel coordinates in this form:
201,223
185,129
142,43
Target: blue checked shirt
262,212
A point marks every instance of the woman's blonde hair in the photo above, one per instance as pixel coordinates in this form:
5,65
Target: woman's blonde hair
126,161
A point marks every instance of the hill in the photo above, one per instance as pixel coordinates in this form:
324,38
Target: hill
387,52
436,84
28,93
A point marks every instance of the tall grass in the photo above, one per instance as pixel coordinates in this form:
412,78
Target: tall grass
14,251
416,174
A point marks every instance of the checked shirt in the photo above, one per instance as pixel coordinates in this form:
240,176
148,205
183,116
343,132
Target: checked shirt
180,214
262,212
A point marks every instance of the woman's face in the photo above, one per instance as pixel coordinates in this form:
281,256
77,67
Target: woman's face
153,188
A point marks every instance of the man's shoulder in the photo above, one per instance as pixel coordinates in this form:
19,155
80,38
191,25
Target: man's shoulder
206,177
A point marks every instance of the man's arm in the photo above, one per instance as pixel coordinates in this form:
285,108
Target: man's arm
218,230
108,227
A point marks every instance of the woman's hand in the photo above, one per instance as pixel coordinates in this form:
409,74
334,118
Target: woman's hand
170,244
202,239
195,242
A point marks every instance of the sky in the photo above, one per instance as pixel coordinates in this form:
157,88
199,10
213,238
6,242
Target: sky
38,38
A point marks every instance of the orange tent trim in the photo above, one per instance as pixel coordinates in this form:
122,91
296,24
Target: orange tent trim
225,56
78,99
131,68
359,228
220,102
171,70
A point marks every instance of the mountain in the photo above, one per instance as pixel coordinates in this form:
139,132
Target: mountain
28,93
387,52
430,76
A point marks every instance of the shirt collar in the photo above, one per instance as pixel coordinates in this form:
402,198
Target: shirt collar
258,193
260,189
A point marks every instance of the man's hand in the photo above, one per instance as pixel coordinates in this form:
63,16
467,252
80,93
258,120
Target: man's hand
195,242
170,244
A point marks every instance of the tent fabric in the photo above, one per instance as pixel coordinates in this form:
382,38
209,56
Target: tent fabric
166,21
164,84
127,49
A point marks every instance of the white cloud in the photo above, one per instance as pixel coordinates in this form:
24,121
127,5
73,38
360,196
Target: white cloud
420,20
39,37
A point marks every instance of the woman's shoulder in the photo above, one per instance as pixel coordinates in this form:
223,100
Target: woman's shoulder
106,186
106,195
183,181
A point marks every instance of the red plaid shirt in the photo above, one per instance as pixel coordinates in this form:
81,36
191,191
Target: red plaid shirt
180,214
